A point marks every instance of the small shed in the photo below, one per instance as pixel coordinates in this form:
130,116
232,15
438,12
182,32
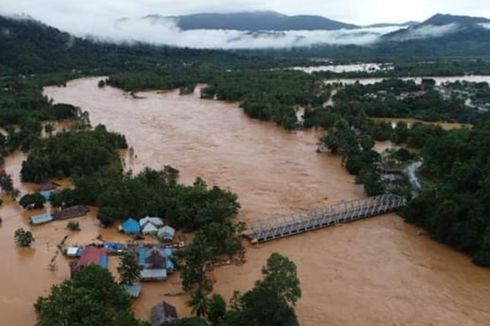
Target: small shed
41,219
164,314
167,233
133,290
74,251
148,275
130,226
149,228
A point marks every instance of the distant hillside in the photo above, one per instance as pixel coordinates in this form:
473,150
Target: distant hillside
28,46
254,21
441,19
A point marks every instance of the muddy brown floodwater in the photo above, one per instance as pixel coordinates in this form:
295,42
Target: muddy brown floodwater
378,271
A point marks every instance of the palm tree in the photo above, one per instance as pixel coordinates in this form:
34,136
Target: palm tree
199,302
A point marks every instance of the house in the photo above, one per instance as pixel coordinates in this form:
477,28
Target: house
148,275
90,256
114,247
47,186
71,212
130,226
41,219
156,221
149,228
167,233
164,314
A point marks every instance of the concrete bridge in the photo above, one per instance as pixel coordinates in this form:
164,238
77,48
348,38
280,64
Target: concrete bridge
343,212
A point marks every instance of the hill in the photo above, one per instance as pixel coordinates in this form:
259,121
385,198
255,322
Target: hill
254,21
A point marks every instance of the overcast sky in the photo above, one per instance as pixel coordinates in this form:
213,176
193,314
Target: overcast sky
65,13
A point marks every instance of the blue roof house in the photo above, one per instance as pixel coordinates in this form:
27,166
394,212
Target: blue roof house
130,226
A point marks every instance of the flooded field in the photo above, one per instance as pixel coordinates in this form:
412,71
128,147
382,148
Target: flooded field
439,80
379,271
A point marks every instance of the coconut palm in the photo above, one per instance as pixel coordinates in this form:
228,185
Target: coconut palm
199,302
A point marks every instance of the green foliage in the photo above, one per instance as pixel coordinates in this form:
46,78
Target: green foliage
73,153
129,269
271,301
217,309
32,201
192,321
199,302
7,185
73,226
23,238
90,298
210,242
454,209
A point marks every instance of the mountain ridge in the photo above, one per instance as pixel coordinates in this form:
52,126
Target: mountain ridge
253,21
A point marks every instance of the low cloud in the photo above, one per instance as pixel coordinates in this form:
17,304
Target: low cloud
485,25
165,31
427,31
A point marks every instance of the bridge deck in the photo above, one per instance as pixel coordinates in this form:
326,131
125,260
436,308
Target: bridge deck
342,212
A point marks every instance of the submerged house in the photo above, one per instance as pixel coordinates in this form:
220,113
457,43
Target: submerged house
155,263
130,226
90,256
71,212
164,314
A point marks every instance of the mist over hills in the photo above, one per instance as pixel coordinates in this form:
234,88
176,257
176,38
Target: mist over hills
24,42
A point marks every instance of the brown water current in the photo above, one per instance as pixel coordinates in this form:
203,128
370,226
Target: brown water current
375,272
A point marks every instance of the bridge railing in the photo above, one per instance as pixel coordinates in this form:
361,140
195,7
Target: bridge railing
341,212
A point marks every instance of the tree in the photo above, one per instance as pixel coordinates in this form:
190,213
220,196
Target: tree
217,309
23,238
199,302
7,185
32,201
73,226
129,269
90,298
272,300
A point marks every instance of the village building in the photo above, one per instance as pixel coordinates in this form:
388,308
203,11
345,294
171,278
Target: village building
166,233
133,290
149,228
164,314
130,226
156,221
90,256
41,219
71,212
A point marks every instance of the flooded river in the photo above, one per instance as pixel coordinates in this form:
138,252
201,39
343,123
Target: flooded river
374,272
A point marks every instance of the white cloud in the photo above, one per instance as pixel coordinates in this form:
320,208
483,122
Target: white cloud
427,31
164,31
485,25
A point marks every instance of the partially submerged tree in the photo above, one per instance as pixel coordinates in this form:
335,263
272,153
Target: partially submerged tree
23,238
32,201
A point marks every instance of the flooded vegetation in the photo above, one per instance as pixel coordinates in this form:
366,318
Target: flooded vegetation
380,268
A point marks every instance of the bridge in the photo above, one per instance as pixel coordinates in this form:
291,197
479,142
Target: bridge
342,212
